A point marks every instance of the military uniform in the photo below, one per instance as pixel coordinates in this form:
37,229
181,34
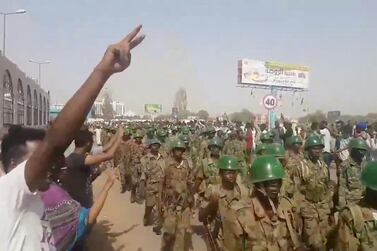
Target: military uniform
152,173
314,197
208,173
357,223
137,152
255,227
255,230
222,222
350,188
176,201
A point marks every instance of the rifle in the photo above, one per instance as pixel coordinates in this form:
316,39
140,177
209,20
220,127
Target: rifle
211,240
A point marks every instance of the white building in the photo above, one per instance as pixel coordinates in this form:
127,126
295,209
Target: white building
98,108
119,108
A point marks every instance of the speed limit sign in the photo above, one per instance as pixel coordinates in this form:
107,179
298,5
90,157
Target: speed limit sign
270,102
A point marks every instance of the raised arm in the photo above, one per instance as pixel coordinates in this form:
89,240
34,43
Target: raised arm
117,58
104,156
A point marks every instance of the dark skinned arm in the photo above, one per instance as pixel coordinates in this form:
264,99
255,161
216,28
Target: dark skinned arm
62,131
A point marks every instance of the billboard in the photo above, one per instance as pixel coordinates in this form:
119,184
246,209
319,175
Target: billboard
153,108
268,73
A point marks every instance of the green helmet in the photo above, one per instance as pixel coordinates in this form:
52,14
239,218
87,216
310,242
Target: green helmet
266,136
127,131
227,162
312,141
293,140
185,130
161,133
215,142
266,168
358,144
260,147
184,138
276,150
137,135
369,175
210,129
154,141
178,144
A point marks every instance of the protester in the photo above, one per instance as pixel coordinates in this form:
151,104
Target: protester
80,166
64,218
28,155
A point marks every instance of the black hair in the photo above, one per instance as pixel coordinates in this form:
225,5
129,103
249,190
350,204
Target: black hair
13,145
83,137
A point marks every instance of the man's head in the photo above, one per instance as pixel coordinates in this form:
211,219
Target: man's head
84,140
323,124
369,180
278,151
294,143
358,148
266,174
314,146
19,144
154,146
228,170
215,145
178,149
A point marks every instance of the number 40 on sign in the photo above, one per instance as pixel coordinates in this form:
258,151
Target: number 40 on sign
270,102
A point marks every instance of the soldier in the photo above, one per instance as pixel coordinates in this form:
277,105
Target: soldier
210,133
208,172
266,221
218,200
137,151
176,200
357,223
260,149
311,179
267,137
350,189
153,166
122,160
294,146
161,135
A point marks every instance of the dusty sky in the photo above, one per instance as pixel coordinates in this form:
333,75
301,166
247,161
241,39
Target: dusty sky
196,44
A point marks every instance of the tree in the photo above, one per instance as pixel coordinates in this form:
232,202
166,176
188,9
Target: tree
107,107
202,114
243,116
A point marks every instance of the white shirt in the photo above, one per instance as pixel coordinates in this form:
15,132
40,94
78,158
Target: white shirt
326,139
20,213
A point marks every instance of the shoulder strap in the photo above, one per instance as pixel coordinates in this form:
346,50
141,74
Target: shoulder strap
357,217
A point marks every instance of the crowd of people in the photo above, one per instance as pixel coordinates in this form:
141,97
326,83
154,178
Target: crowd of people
252,188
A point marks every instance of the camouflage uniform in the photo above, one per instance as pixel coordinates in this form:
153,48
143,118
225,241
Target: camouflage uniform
350,188
357,228
357,223
222,222
176,201
136,154
152,173
315,201
208,173
253,229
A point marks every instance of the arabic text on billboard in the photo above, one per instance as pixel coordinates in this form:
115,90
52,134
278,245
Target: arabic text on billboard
153,108
268,73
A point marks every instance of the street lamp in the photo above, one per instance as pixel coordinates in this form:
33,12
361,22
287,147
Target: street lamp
39,63
5,14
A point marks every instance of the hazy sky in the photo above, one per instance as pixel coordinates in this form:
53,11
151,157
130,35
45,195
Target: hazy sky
196,44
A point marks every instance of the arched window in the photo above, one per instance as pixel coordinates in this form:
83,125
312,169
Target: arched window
20,103
35,105
29,106
40,109
7,99
44,110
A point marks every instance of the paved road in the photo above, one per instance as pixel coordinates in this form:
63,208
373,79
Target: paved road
120,226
